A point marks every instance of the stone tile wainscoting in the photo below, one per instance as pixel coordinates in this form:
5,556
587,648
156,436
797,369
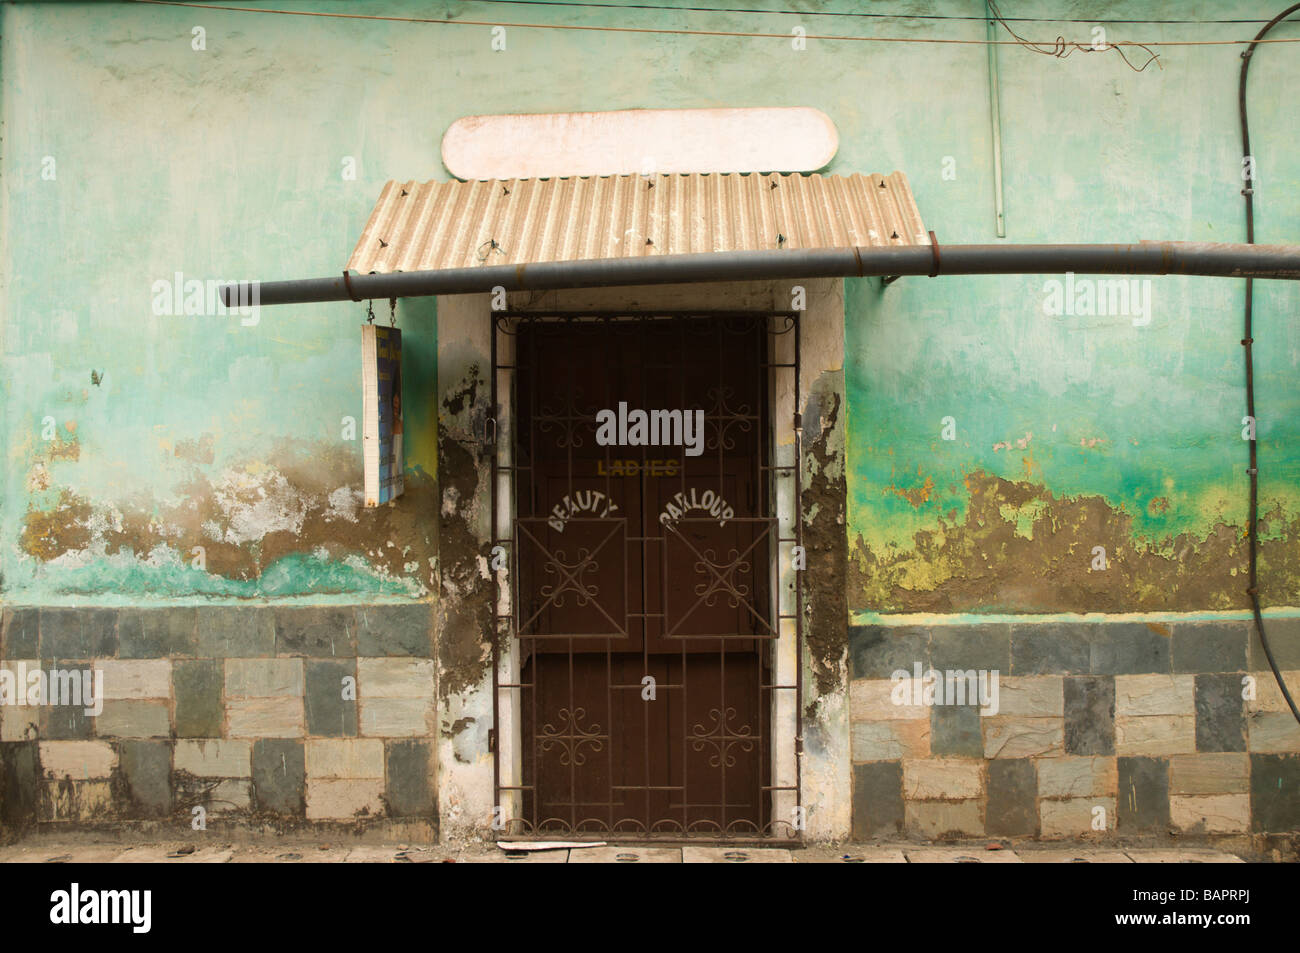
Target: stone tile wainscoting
262,716
1105,728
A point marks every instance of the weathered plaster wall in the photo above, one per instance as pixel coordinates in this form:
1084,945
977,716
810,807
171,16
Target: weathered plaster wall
131,437
1079,430
228,162
465,622
170,432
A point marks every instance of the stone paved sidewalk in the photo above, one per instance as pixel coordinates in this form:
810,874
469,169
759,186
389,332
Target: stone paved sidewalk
43,850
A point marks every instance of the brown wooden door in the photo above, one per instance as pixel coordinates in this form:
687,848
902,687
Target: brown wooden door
638,563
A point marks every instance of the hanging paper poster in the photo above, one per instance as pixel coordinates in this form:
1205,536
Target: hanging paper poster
381,382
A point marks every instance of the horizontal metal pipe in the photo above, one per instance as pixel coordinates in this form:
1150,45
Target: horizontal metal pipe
1145,258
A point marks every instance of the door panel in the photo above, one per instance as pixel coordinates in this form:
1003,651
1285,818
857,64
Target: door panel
641,576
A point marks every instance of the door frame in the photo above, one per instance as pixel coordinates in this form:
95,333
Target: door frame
787,821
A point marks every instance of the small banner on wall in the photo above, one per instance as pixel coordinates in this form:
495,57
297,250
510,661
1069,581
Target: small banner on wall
381,382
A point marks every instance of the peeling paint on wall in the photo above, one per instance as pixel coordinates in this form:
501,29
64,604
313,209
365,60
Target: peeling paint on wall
1019,547
263,528
465,613
823,507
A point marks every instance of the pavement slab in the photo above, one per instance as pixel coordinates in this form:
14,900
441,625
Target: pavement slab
970,855
1185,856
1075,857
735,855
39,850
183,854
65,854
627,855
850,855
558,856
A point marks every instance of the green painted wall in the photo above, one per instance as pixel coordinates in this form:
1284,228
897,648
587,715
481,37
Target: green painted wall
1080,431
226,163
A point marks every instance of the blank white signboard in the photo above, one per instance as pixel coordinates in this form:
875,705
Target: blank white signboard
640,142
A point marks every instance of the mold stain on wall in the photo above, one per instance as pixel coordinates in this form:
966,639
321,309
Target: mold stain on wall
1020,547
290,525
466,605
823,509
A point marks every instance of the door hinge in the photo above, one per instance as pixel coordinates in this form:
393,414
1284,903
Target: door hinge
492,740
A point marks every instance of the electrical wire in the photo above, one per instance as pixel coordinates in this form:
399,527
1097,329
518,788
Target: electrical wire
1248,192
669,32
1062,48
832,13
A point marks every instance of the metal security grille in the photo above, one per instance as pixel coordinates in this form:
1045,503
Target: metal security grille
635,489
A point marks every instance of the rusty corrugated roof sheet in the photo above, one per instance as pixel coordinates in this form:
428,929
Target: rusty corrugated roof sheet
437,225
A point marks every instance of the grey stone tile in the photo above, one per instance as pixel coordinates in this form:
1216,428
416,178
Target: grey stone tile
1275,792
1220,713
146,768
279,776
19,784
877,651
64,722
1012,809
21,722
316,631
158,633
1283,638
198,685
964,647
1049,648
1209,647
135,718
78,633
1143,803
1130,648
19,634
877,799
328,713
1089,715
955,730
236,632
407,787
394,630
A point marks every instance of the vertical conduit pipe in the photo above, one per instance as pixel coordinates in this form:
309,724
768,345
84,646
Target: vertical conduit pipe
1248,192
995,122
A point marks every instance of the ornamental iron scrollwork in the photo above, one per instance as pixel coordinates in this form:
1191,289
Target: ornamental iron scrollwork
721,738
568,576
570,737
722,577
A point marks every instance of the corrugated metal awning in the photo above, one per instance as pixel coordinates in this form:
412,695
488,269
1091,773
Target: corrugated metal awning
439,225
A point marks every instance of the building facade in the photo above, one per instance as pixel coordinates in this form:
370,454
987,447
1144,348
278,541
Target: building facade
943,557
